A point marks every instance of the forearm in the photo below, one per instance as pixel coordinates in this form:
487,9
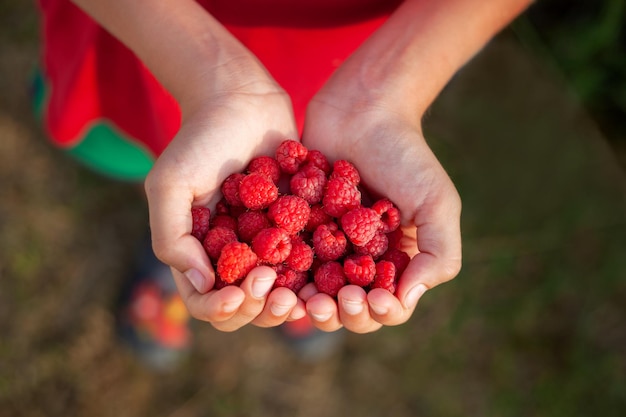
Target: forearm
408,61
187,50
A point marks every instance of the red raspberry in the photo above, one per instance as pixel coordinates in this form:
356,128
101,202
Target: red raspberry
308,183
290,154
317,218
330,278
287,277
216,239
222,207
250,223
272,245
301,256
359,269
289,212
399,258
236,261
224,220
257,191
388,213
220,283
360,225
329,243
230,189
317,158
345,169
340,197
200,222
394,238
267,166
385,276
375,247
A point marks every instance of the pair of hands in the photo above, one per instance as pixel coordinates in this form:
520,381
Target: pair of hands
222,134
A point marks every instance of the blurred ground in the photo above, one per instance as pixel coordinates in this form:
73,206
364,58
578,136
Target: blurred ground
533,325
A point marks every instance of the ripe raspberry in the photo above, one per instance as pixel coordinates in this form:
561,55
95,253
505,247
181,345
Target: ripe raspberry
301,256
257,191
224,220
236,261
200,222
317,158
267,166
394,238
222,207
317,218
329,243
385,276
360,225
250,223
287,277
220,283
340,197
399,258
308,183
230,189
359,269
289,212
330,278
345,169
272,245
388,213
216,239
375,247
290,154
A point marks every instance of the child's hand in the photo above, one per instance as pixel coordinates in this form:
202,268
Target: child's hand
395,161
219,137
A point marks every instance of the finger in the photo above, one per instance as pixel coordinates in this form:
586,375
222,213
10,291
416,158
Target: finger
170,224
353,310
322,309
279,305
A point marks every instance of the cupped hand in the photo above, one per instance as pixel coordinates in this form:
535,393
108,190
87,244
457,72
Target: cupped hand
218,137
394,161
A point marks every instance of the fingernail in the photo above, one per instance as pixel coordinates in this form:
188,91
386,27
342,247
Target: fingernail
261,286
414,296
352,307
321,317
197,280
279,309
378,309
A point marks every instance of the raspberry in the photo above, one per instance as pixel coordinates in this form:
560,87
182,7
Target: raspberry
235,262
267,166
290,154
224,220
330,278
257,191
200,222
222,207
360,225
375,247
230,189
359,269
216,239
399,258
345,169
318,159
287,277
308,183
394,238
289,212
301,256
340,197
272,245
317,218
329,243
388,213
385,276
250,223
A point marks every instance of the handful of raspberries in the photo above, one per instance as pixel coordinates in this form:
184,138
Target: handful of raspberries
305,218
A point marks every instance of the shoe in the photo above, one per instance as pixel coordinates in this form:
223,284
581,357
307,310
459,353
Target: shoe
152,318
